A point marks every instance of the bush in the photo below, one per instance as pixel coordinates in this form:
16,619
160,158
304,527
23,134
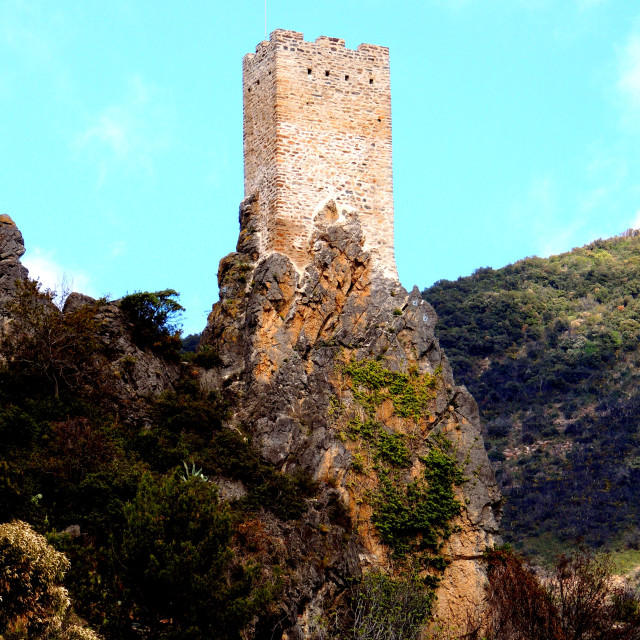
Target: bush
207,357
386,608
575,602
179,578
34,604
151,315
418,517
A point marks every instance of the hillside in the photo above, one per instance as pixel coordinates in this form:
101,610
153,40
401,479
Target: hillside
549,349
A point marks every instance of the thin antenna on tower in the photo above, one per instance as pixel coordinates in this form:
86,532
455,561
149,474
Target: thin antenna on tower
265,19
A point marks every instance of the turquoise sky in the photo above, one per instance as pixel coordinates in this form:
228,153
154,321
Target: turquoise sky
516,129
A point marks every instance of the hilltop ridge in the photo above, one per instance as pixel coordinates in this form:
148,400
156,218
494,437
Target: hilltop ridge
549,348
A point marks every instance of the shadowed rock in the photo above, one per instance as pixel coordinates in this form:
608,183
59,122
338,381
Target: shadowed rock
11,269
283,337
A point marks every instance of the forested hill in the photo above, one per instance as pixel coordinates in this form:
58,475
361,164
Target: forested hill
550,350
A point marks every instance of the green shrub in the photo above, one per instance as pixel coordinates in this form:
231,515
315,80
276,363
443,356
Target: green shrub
180,580
387,608
207,357
151,316
391,448
417,517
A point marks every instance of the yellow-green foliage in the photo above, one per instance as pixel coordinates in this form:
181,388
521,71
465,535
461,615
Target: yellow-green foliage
411,517
411,393
34,605
416,517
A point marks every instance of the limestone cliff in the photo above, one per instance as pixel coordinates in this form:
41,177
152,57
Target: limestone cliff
292,347
11,249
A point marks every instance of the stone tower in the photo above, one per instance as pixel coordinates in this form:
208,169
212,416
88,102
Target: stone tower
317,127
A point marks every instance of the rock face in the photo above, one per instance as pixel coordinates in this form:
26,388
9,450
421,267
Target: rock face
127,374
130,373
335,372
285,342
11,249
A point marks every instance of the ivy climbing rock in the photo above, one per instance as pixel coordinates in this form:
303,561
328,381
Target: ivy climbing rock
335,371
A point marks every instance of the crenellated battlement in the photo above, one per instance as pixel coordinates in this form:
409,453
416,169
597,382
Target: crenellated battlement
287,37
317,127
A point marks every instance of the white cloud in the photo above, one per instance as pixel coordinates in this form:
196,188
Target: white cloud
52,275
540,215
129,134
635,223
628,81
6,85
118,248
607,174
535,208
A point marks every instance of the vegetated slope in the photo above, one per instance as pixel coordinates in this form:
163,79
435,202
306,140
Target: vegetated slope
549,349
109,470
242,490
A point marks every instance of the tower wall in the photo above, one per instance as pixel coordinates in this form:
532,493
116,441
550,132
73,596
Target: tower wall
317,126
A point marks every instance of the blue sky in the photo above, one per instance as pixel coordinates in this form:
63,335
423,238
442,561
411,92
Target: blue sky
516,129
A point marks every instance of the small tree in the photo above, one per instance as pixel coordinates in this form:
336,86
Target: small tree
518,606
179,578
152,316
33,603
589,607
43,342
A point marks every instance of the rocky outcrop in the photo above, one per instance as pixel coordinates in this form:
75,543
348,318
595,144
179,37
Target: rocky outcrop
123,374
285,340
333,372
11,269
128,374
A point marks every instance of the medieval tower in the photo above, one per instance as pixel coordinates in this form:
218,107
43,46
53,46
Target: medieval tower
317,127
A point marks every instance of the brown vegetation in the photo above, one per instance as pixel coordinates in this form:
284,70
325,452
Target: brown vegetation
575,601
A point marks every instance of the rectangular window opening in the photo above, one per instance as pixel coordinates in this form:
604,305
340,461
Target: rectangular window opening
308,71
370,80
346,77
326,73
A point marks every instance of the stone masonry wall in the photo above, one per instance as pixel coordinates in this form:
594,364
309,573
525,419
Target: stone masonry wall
317,127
